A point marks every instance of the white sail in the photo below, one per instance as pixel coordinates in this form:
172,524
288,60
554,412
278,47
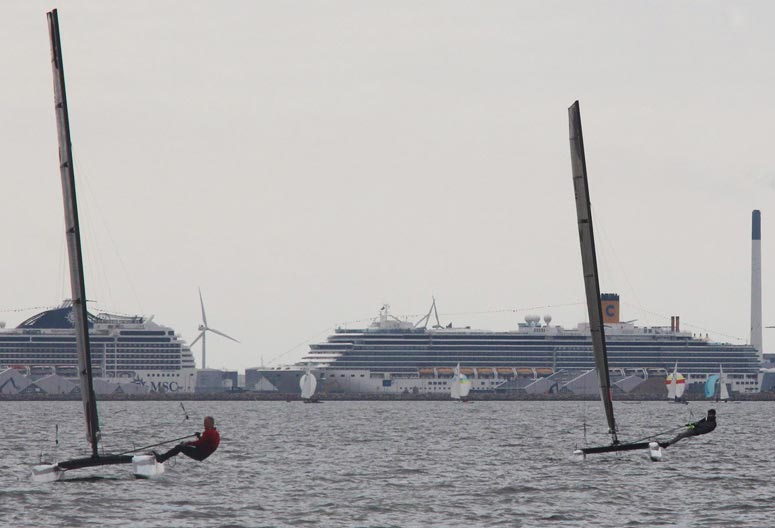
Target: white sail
676,384
671,383
680,386
308,383
723,391
465,386
724,395
454,390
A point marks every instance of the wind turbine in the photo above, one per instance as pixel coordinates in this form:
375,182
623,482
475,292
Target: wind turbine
203,328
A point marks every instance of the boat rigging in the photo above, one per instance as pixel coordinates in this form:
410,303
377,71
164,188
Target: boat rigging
142,465
592,290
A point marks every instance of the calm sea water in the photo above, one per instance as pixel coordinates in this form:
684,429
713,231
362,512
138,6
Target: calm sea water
396,464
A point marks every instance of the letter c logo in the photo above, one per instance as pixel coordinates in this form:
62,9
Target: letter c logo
610,311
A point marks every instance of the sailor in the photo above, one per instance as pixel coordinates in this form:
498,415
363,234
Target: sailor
702,427
200,449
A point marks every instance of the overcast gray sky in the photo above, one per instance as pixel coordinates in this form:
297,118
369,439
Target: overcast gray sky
305,162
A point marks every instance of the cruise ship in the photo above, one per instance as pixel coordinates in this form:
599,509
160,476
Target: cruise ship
127,349
396,356
536,357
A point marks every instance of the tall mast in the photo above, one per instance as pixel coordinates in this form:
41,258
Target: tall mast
589,263
73,233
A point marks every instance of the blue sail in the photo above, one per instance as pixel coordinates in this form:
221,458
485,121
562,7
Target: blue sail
710,385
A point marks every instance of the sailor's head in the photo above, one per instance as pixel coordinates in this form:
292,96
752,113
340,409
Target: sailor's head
712,413
209,422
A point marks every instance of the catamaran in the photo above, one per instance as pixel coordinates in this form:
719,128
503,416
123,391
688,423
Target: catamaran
592,289
143,465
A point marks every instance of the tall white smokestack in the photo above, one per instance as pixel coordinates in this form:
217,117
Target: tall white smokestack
756,282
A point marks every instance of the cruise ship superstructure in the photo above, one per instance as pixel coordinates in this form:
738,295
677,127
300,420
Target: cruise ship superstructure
395,356
127,349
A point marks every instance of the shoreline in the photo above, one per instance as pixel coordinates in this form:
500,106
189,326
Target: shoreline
332,397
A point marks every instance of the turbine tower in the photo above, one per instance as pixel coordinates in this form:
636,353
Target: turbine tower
756,282
203,329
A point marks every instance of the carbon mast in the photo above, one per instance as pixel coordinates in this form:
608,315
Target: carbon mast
73,234
144,466
592,286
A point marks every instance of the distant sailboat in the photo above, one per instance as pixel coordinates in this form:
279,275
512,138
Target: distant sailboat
143,465
676,385
723,393
592,290
716,387
710,386
461,385
308,384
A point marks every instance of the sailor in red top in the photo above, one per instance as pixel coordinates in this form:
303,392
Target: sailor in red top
202,448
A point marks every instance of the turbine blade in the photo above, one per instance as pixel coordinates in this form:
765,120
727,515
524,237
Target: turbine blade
222,334
202,303
200,336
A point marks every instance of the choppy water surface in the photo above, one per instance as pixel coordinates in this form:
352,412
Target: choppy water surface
395,464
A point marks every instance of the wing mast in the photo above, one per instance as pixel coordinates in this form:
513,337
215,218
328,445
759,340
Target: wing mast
589,263
72,231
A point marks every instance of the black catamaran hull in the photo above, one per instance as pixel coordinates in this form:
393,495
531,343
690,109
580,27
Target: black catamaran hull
143,466
614,448
107,460
654,449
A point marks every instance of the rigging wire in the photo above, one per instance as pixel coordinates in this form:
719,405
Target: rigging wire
684,323
674,429
83,176
156,445
294,347
155,425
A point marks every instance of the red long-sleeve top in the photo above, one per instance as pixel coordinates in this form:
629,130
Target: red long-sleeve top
208,442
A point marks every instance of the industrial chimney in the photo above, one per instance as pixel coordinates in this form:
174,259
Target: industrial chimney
756,282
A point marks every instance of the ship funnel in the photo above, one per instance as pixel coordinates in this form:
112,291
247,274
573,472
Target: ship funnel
610,304
756,282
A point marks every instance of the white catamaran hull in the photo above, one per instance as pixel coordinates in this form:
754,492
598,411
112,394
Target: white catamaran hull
145,466
43,473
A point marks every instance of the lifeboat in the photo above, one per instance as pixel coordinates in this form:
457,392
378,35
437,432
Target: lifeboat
524,371
468,371
544,371
504,370
444,371
484,371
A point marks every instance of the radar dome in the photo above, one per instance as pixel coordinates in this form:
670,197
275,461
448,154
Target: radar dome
532,319
2,324
547,319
